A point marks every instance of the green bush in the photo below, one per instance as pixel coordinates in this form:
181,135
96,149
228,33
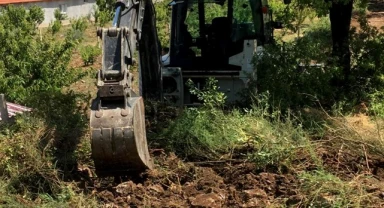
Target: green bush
78,27
367,75
376,105
201,134
59,16
104,11
209,95
89,54
292,77
55,26
31,65
212,133
38,149
163,21
103,17
30,166
80,24
283,70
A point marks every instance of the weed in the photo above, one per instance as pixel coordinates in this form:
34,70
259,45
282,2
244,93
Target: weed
209,132
209,95
201,134
206,132
26,162
79,24
323,189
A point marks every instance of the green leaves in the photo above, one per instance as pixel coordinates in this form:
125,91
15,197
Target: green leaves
163,21
104,12
36,14
30,65
210,94
89,54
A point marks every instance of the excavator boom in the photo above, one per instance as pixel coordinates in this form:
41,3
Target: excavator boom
117,122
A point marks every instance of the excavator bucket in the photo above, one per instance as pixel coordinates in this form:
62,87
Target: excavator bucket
119,144
117,121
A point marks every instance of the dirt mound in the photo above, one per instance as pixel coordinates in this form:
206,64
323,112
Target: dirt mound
177,184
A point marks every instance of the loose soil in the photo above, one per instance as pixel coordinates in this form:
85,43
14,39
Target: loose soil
174,183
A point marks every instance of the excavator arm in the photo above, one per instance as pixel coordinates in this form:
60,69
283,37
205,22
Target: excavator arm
117,121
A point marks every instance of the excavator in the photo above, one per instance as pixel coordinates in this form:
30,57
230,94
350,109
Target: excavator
201,46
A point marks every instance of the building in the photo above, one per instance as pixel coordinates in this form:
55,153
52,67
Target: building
72,8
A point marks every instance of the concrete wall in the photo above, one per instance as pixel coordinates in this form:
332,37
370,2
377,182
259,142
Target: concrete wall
74,8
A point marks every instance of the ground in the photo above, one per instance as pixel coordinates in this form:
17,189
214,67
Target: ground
239,183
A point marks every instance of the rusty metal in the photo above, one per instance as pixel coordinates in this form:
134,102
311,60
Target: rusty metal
111,91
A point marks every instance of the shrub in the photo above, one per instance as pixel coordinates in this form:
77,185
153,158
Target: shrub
59,16
104,11
55,27
29,166
201,134
297,73
376,103
367,75
292,16
79,24
209,95
163,21
89,54
38,149
284,69
102,18
78,27
205,132
30,65
211,133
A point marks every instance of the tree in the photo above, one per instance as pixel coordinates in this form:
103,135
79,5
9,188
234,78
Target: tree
340,14
23,73
105,11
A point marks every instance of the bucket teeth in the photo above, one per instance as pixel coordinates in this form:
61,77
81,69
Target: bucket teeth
119,144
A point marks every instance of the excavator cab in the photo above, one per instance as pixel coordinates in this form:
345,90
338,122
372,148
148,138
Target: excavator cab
215,38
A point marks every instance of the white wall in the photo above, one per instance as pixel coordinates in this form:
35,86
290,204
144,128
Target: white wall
74,8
